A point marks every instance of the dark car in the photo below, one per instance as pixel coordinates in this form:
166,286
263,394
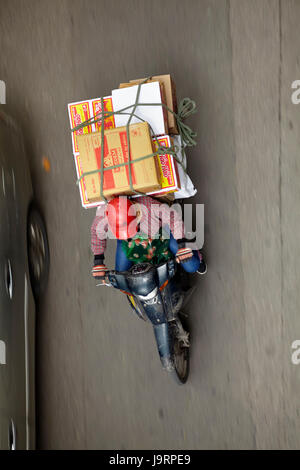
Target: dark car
24,264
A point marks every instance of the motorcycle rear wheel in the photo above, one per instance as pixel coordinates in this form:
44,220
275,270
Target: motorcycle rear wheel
181,369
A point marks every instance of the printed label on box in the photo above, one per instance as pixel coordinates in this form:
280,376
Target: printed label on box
109,122
166,165
79,112
115,177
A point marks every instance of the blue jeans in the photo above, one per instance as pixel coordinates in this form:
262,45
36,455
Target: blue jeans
123,264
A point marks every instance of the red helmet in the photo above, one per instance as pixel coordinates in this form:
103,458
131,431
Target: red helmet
122,217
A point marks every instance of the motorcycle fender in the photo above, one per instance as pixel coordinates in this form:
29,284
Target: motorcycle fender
154,307
164,345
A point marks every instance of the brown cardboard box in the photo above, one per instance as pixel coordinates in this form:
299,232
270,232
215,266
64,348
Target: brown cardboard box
168,198
145,176
170,96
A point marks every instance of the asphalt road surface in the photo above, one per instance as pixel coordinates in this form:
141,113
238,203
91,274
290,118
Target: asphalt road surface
100,384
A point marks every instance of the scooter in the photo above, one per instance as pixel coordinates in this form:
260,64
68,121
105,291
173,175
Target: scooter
156,294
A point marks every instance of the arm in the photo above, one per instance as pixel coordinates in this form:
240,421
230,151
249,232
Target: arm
172,218
98,243
98,236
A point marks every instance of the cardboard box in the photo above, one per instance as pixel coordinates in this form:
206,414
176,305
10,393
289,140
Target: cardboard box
82,188
162,196
168,171
170,96
167,198
150,93
145,175
182,188
79,112
82,111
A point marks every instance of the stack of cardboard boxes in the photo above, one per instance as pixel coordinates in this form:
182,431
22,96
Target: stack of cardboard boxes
159,175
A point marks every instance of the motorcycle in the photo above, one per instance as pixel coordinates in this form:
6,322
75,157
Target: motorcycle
156,293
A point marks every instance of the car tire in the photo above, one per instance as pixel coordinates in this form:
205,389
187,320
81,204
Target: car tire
38,251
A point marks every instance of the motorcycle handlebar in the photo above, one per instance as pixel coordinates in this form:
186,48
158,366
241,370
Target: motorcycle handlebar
130,272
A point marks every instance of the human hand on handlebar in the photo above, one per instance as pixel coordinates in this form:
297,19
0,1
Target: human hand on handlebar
183,255
99,272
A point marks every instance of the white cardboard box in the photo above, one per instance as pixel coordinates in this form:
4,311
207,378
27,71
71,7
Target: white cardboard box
154,115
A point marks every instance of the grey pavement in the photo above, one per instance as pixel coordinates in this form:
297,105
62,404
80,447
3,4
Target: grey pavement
99,381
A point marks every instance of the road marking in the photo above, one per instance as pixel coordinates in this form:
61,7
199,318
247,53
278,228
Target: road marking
2,352
2,92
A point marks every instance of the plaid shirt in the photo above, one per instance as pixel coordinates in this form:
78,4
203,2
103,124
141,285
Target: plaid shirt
154,215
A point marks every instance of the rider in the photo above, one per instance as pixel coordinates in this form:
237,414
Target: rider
146,231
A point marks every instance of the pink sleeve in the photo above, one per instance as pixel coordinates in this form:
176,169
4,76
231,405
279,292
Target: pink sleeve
99,234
